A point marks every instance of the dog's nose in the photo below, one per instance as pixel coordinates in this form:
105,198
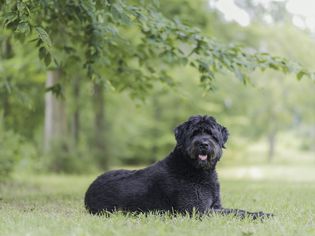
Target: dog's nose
204,145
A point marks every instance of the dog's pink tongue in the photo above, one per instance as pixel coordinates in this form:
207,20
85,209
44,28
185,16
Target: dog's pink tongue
202,157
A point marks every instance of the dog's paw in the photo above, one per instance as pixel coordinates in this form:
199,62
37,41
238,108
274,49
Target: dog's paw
260,215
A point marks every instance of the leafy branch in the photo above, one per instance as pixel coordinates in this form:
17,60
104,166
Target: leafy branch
130,46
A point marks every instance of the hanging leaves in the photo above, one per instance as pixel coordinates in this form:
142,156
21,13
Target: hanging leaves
132,43
43,36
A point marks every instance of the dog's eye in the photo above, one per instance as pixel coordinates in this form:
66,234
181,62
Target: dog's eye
215,139
194,133
218,141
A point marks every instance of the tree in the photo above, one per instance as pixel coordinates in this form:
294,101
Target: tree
63,31
125,46
55,114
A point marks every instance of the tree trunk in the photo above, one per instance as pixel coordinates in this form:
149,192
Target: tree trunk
6,53
76,112
99,144
55,116
271,145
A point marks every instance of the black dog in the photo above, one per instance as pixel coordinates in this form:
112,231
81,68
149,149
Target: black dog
184,182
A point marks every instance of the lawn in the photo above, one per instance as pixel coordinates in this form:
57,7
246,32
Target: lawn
53,205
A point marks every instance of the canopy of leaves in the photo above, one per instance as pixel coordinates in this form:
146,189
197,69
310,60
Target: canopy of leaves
127,45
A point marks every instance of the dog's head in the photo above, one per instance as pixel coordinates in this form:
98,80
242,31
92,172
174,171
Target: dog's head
201,139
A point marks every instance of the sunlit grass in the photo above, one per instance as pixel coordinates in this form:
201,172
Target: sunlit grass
270,172
290,150
53,205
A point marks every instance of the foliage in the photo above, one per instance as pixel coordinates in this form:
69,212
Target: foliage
121,43
21,86
141,49
65,157
13,149
9,145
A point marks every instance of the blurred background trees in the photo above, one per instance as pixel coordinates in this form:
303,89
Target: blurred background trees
85,85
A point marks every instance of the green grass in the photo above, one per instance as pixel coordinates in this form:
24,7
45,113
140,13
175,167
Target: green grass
53,205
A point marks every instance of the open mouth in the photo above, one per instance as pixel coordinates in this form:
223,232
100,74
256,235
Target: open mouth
202,157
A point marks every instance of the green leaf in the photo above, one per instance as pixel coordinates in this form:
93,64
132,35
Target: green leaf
47,59
21,6
42,34
240,75
300,74
56,89
42,53
9,18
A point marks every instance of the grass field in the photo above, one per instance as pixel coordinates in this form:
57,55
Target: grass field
53,205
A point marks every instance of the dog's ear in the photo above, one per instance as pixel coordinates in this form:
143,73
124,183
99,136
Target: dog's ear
224,134
179,132
220,132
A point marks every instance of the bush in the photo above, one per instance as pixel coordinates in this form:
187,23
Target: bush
14,150
65,157
9,151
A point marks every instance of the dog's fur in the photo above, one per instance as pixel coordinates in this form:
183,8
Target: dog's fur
184,182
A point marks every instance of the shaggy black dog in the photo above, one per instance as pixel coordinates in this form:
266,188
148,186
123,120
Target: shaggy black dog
184,182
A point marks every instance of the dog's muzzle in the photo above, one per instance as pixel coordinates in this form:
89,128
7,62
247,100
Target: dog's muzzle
204,151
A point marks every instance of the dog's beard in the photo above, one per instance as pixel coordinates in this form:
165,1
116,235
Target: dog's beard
201,159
